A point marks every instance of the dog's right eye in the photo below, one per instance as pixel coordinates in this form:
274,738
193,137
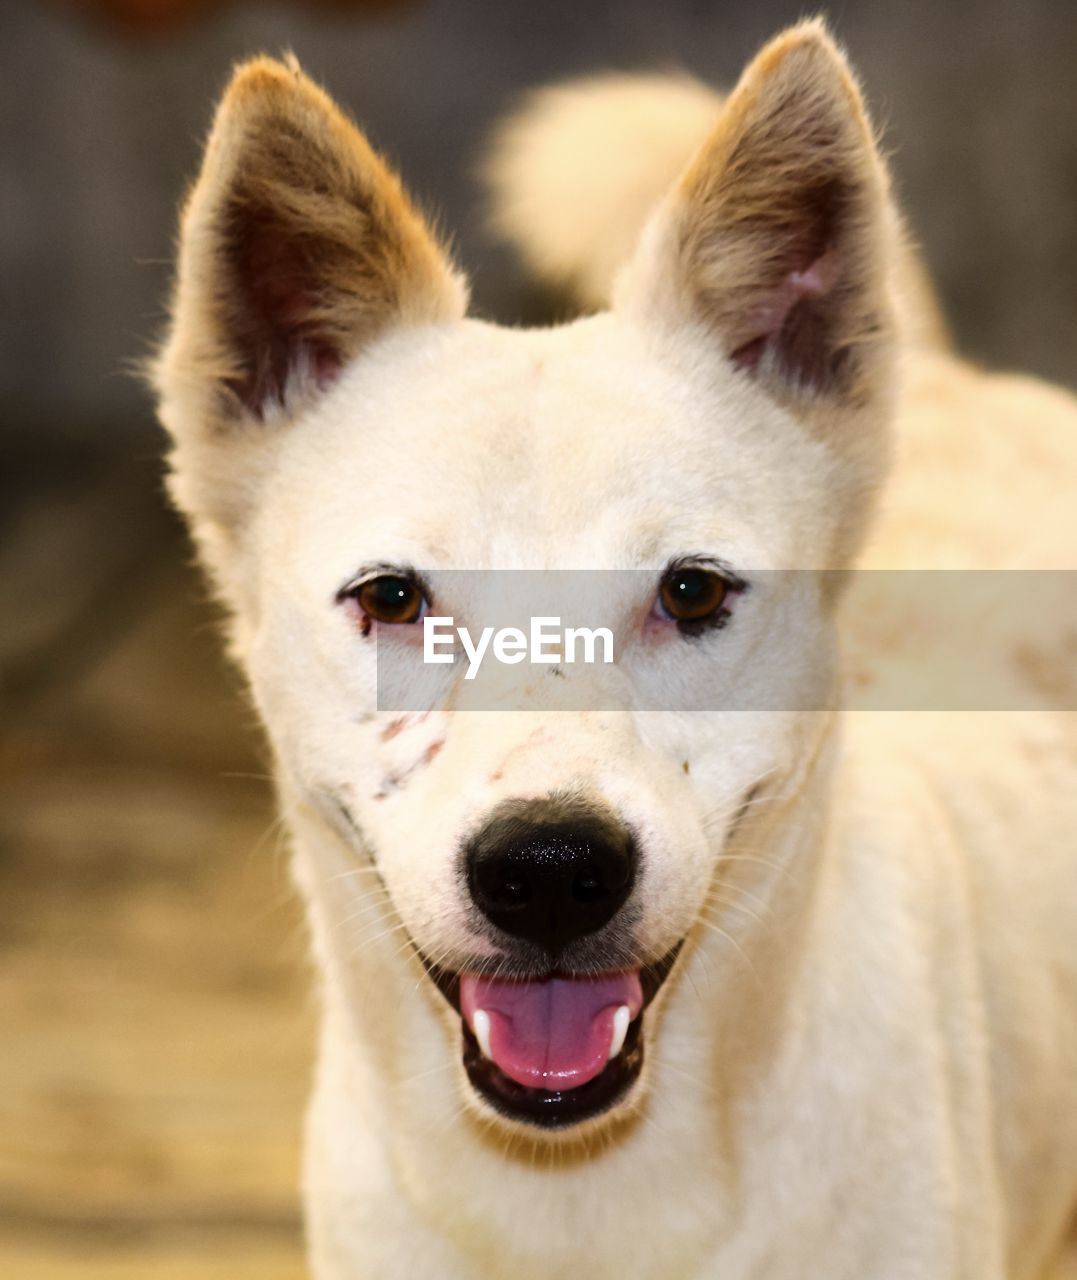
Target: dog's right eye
390,599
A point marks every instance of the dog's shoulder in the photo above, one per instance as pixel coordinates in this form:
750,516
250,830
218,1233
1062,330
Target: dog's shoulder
985,474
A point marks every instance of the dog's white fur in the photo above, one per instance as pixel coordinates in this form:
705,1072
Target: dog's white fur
865,1064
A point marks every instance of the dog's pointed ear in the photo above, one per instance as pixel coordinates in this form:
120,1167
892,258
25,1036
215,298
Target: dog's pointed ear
776,240
297,248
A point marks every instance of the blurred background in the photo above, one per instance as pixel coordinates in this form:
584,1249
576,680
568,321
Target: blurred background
153,988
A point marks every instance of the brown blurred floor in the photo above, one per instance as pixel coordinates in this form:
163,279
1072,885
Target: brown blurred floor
156,1028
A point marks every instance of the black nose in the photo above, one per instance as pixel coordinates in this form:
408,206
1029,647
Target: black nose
551,871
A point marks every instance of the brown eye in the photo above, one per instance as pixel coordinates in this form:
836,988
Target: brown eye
692,595
391,599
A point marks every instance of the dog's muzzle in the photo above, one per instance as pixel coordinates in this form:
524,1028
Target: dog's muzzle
560,1040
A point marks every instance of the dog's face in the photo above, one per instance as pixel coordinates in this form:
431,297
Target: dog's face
356,455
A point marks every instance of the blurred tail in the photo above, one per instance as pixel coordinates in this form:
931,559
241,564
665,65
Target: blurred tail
574,174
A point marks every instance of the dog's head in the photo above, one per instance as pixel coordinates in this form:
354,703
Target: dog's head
346,441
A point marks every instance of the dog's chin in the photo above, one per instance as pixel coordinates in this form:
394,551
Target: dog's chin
546,1104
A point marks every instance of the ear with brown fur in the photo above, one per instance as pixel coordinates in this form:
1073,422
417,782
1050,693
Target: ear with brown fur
777,238
298,247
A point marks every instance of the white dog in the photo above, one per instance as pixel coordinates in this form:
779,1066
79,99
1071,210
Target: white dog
638,989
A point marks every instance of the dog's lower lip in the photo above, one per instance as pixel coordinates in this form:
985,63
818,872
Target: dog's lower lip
563,1108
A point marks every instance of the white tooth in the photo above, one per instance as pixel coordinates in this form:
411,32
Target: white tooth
621,1019
480,1024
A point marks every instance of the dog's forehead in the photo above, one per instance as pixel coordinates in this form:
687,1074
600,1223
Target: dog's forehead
479,446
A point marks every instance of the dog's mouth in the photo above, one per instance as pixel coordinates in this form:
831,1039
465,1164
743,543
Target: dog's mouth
555,1050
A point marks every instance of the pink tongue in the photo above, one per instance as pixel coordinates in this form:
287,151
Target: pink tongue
553,1034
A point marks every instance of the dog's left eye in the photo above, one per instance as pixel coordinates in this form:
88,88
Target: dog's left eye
390,599
692,596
